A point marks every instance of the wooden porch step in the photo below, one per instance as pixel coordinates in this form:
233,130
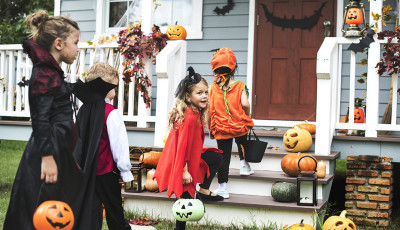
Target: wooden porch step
238,200
274,176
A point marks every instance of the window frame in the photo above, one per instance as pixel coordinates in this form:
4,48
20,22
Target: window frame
193,32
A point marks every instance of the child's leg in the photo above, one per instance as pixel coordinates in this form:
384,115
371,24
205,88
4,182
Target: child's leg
245,168
109,191
240,141
213,161
181,225
226,147
97,210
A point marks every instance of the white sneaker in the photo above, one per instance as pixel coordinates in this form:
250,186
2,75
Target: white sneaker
246,170
224,193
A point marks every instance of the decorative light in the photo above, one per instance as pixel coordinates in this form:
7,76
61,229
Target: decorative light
307,186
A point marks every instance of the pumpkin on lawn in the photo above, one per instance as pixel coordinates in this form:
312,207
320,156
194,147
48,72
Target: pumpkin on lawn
176,32
188,210
354,16
150,159
53,214
297,140
339,222
299,226
290,163
150,184
284,192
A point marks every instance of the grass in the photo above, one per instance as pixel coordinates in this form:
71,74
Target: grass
10,155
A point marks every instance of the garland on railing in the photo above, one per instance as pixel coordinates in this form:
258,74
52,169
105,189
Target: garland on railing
135,46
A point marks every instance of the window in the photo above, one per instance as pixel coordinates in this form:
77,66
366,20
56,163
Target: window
120,13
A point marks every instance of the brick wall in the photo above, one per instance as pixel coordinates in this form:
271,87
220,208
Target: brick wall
369,186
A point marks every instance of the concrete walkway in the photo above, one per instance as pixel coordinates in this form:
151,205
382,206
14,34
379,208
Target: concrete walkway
140,227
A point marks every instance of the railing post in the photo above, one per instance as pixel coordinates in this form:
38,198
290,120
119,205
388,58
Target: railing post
326,71
170,68
147,25
372,103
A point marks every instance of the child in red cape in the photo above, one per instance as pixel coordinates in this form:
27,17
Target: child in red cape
184,162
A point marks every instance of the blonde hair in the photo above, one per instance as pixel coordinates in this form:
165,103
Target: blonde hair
45,29
102,70
178,112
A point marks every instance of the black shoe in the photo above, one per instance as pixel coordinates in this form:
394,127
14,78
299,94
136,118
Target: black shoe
210,197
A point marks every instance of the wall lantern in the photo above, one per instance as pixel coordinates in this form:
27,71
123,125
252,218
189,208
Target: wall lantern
354,16
307,186
139,177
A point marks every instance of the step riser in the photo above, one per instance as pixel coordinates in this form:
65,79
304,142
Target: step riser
254,187
222,214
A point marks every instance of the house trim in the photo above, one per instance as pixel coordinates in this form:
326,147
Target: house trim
57,7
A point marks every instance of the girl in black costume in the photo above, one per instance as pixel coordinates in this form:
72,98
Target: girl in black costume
47,170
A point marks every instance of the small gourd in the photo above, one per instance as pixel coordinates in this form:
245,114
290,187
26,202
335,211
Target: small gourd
321,169
150,184
299,226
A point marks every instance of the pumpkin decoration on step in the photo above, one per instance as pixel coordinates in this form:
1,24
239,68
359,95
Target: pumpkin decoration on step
321,169
151,185
297,140
290,162
284,192
176,32
188,210
299,226
339,223
354,16
150,159
53,214
308,126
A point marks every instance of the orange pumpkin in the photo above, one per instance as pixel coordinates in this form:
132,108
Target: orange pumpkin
354,16
359,116
53,214
299,226
150,159
289,163
176,32
309,127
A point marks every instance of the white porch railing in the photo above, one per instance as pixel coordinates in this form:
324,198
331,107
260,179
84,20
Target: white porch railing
14,65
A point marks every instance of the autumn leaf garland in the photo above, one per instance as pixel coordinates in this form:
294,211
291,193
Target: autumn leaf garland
135,46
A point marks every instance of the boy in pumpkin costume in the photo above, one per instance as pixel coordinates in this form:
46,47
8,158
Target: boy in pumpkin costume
229,116
103,151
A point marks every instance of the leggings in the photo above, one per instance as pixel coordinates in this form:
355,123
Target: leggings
213,161
226,147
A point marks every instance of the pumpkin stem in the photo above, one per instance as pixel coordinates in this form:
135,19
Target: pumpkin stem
306,121
176,23
343,214
301,223
297,126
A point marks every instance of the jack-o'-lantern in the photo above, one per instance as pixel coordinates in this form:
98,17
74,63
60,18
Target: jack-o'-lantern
354,16
359,116
297,140
176,32
188,210
339,223
53,215
290,163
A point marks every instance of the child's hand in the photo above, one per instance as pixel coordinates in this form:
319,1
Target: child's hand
49,170
186,177
211,136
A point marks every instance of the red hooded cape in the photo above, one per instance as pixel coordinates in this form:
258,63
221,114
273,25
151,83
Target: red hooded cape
184,145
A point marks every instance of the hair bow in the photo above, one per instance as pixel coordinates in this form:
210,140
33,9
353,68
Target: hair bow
191,79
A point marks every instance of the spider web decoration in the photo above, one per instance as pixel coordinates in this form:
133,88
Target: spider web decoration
225,9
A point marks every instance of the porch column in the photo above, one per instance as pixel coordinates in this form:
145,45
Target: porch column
147,25
373,77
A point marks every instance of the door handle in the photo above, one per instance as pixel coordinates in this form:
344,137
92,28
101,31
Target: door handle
327,26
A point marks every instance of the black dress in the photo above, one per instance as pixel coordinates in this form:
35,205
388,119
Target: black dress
53,134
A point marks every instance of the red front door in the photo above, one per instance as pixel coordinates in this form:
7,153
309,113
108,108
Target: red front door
285,84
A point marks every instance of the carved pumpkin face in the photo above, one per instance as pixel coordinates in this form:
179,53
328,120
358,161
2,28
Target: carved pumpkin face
53,215
176,32
354,16
297,140
339,223
359,116
188,210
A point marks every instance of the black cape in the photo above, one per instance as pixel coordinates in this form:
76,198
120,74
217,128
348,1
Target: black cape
89,121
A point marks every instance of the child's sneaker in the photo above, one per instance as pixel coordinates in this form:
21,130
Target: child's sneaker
246,170
224,193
